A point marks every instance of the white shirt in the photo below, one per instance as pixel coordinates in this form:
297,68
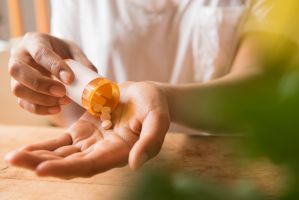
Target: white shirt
176,41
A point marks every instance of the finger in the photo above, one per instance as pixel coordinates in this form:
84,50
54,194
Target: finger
80,131
89,149
19,53
151,139
34,80
45,153
65,151
79,56
50,145
88,142
97,161
79,154
64,168
27,159
38,109
39,47
33,97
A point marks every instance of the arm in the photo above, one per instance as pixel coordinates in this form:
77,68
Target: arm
142,118
225,104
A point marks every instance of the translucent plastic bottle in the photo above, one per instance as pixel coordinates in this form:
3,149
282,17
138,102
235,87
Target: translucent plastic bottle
90,90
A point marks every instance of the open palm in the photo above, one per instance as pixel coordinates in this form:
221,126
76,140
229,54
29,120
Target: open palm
141,121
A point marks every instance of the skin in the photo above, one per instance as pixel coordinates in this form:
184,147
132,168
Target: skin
220,105
141,120
140,123
31,65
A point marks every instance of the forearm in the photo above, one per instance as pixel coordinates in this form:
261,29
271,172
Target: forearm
214,106
229,103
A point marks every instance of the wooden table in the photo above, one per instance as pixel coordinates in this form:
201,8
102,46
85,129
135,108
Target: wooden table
205,156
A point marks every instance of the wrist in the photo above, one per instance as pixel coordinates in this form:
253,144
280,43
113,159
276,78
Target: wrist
168,92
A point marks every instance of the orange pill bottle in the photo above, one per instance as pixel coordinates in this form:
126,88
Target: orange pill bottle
90,90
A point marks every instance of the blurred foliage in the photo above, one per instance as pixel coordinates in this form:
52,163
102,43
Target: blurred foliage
266,110
164,185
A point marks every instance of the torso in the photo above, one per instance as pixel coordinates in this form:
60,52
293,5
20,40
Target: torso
176,41
160,40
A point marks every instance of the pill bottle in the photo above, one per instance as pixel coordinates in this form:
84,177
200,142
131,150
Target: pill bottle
90,90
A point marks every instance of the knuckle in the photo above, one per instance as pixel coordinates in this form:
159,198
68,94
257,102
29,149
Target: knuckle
14,67
55,67
36,84
20,103
39,52
30,35
26,147
13,50
17,89
27,106
33,108
28,60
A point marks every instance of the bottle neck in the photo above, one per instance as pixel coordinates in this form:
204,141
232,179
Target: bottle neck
100,92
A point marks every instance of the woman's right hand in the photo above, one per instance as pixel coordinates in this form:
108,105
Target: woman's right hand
33,64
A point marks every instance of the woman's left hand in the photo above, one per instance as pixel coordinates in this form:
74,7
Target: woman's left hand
140,123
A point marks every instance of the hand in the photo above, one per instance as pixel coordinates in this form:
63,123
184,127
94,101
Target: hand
140,121
31,65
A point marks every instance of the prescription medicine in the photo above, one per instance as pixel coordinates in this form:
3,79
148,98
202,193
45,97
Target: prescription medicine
106,110
107,124
105,116
91,91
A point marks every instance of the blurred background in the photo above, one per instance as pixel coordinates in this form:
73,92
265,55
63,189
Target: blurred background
16,18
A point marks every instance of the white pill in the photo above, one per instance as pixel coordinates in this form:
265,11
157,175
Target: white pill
106,110
105,116
107,124
97,107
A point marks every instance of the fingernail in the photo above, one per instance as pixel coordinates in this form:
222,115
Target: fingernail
53,110
64,101
64,76
143,159
57,91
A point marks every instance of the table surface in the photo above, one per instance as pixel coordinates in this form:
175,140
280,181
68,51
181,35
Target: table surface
205,156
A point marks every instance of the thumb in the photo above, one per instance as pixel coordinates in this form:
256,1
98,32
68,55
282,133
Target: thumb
154,129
